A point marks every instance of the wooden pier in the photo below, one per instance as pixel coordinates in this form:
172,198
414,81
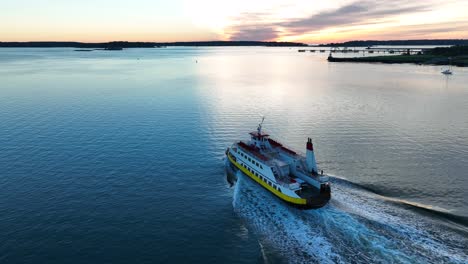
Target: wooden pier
368,50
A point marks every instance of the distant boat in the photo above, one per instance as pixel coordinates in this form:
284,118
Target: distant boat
449,70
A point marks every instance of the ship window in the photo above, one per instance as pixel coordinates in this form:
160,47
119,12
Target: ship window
261,167
249,159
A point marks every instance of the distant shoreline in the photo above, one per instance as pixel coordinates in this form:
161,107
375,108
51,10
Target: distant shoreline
415,42
398,59
125,44
456,55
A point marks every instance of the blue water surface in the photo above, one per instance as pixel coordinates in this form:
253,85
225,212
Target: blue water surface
117,157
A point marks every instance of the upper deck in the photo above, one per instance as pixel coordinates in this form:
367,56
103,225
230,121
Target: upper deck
259,134
254,151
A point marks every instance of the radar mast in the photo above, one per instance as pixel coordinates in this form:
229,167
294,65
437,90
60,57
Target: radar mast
259,129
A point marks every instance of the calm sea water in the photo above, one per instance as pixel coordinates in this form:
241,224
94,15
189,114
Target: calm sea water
117,157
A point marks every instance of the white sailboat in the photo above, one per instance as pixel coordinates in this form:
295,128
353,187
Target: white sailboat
449,70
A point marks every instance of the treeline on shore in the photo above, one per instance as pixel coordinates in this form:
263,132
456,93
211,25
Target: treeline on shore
126,44
460,50
456,55
416,42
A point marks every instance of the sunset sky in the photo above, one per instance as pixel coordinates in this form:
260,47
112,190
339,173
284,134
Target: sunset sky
276,20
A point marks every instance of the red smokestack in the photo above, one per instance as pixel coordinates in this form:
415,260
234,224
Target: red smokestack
310,146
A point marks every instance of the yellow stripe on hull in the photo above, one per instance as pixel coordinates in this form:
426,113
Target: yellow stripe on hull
289,199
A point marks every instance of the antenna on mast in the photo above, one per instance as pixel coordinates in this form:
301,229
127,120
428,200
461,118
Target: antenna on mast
259,129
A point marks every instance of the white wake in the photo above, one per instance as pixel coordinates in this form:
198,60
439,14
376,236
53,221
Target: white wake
356,227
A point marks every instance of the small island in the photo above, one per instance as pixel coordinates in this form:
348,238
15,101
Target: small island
456,55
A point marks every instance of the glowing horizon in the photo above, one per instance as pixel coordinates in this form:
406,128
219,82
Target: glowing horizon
206,20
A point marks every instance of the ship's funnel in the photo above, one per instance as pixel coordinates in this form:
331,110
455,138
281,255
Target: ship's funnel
310,157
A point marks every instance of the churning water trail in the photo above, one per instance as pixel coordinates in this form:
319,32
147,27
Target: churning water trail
357,226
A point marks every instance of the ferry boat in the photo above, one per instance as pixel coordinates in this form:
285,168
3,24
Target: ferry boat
285,173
